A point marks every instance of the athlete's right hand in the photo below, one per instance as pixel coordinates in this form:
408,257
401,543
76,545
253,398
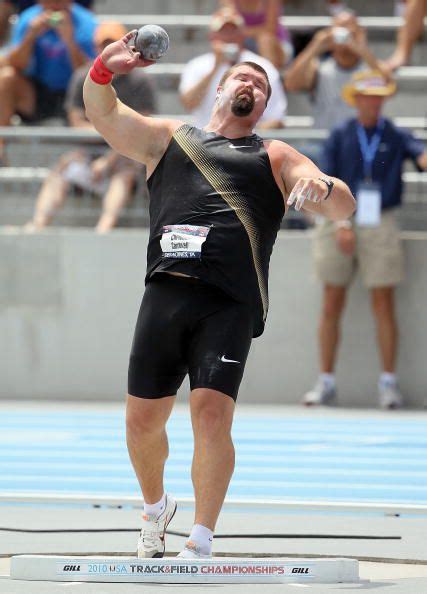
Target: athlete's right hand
121,57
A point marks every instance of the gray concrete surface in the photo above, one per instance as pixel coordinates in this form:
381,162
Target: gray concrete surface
69,301
395,577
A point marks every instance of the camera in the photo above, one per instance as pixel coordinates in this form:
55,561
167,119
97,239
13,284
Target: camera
55,19
231,52
340,35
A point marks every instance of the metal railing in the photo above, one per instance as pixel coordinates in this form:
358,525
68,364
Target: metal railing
41,147
294,23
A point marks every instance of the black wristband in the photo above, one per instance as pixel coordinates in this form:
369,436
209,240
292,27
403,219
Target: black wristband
330,184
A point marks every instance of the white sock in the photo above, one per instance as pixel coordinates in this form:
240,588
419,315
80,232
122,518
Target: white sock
203,538
328,379
155,509
387,379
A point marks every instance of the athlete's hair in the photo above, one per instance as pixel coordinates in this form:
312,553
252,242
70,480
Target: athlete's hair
252,65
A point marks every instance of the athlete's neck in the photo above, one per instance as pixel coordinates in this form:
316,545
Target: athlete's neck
229,126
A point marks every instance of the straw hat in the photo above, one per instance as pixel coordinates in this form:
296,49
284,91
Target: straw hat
224,16
368,82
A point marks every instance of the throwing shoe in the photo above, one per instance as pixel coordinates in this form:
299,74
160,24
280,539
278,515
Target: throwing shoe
151,542
192,551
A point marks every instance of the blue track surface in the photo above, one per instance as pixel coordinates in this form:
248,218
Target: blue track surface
325,459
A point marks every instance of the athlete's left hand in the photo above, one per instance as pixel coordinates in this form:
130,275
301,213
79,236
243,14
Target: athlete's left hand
307,188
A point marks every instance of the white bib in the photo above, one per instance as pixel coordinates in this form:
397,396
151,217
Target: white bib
183,241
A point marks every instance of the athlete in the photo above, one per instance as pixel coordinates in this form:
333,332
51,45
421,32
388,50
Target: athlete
217,198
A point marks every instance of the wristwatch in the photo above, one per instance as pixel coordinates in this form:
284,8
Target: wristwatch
330,185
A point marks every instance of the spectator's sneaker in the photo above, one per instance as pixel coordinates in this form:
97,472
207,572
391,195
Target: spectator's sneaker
151,541
192,551
320,395
389,396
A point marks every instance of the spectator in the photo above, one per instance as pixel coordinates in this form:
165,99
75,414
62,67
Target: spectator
110,174
201,75
335,7
325,78
263,32
410,31
50,40
367,153
10,7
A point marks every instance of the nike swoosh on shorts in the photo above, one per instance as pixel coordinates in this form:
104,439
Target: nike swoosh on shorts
224,360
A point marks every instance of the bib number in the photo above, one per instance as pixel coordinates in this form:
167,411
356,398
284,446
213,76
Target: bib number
183,241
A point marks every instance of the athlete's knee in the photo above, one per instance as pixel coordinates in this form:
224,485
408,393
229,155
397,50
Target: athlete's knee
212,416
144,419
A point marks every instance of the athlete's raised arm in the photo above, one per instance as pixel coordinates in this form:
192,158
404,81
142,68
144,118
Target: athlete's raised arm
141,138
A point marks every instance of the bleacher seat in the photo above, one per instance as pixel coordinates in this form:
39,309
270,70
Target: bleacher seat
32,151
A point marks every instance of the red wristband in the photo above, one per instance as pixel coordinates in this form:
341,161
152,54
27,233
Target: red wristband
99,73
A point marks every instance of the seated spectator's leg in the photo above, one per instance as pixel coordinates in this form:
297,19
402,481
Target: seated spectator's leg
334,299
6,11
17,94
52,193
269,47
409,33
117,196
382,300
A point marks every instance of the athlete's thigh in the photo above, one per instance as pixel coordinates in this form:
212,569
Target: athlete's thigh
157,361
219,348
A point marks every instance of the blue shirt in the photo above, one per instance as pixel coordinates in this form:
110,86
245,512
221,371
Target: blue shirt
21,5
50,63
342,158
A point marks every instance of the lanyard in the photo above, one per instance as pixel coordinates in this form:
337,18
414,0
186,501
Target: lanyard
369,148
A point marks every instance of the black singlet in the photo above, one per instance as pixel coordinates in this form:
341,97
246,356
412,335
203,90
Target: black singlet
226,187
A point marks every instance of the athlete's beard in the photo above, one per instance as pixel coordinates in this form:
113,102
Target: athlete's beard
243,104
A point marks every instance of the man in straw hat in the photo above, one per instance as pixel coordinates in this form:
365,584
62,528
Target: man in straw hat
217,197
368,153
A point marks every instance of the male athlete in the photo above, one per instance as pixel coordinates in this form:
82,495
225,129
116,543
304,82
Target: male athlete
218,196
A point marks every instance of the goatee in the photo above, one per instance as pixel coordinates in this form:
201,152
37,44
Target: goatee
243,104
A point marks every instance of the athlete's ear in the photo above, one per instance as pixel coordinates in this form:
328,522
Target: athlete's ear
218,92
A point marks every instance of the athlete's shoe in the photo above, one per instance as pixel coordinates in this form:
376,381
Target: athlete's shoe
390,396
320,395
151,542
192,551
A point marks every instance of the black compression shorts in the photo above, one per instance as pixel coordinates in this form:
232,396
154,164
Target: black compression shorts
187,326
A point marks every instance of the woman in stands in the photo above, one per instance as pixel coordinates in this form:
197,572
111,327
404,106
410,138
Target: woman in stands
264,33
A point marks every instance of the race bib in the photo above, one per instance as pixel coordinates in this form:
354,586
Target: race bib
183,241
368,212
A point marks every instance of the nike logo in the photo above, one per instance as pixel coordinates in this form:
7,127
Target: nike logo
234,146
224,360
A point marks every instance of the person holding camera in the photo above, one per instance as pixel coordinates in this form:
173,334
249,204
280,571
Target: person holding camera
201,75
328,62
49,41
